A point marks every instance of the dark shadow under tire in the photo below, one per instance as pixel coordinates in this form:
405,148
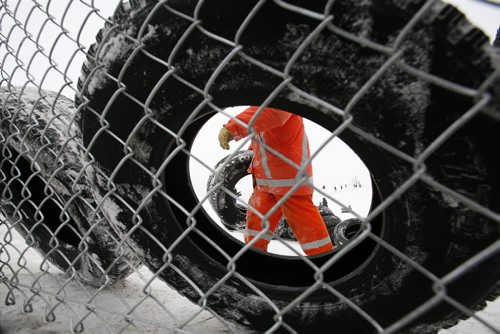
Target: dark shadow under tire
425,223
41,161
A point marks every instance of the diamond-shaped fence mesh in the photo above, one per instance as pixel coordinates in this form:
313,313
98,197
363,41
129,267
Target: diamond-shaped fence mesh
120,211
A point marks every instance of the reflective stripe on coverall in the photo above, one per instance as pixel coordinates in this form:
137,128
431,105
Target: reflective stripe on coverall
274,177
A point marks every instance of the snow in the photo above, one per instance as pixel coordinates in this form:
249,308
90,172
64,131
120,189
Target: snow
115,47
490,314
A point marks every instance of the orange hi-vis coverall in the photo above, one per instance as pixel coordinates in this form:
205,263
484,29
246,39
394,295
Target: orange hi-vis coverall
274,177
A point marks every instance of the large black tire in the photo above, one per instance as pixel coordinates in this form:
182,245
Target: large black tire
39,201
429,226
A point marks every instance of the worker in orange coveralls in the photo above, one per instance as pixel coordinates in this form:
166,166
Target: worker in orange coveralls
273,177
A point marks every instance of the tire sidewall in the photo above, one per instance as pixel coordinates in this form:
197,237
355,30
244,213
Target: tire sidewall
79,248
384,283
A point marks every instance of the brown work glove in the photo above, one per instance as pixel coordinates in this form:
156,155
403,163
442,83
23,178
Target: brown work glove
224,138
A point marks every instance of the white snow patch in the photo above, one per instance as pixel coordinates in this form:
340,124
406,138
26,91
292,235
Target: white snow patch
109,51
115,47
490,314
450,200
111,210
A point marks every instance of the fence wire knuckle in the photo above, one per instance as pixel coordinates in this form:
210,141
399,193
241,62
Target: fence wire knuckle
81,239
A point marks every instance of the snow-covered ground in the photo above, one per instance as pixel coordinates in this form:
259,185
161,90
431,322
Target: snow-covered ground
157,309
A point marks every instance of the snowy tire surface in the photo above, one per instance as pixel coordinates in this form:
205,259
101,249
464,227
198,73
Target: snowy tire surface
40,164
150,99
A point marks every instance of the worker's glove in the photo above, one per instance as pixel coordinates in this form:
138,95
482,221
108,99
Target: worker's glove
224,138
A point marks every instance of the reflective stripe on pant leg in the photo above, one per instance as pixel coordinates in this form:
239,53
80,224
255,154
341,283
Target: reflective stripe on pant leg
316,244
307,224
261,202
253,233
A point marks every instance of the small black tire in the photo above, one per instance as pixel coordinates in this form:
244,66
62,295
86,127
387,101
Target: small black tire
346,230
228,172
424,221
41,159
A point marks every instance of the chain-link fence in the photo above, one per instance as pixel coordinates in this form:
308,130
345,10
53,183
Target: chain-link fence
119,215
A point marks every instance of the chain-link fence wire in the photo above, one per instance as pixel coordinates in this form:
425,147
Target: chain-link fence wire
75,223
